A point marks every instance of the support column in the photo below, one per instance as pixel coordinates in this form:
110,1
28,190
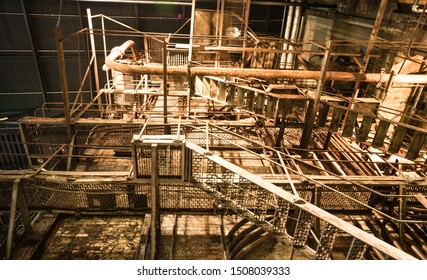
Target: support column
317,201
165,87
64,82
245,30
12,216
193,14
371,44
311,113
25,214
95,63
155,202
402,210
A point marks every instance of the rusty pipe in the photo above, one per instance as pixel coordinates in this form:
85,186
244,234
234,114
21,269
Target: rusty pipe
264,73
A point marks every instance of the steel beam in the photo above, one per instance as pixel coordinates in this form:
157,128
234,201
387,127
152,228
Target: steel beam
311,113
33,51
64,82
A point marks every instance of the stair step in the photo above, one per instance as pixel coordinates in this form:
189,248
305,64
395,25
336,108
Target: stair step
349,124
396,142
416,144
380,134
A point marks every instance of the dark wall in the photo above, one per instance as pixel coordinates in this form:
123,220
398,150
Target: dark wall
28,57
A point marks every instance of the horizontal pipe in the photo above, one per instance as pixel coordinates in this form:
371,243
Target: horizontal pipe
265,73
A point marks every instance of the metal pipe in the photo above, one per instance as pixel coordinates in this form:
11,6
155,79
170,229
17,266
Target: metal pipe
407,244
267,73
165,85
421,243
95,64
63,79
287,35
193,12
294,36
371,44
245,28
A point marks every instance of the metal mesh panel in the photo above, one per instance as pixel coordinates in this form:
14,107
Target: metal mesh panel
236,192
305,191
41,195
331,200
5,194
12,153
174,104
366,108
221,138
184,197
112,135
196,247
413,190
292,137
169,160
70,196
45,139
318,139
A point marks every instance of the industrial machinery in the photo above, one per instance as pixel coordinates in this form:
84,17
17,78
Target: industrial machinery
251,138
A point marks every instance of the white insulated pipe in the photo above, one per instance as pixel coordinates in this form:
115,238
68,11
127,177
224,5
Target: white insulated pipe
294,36
287,34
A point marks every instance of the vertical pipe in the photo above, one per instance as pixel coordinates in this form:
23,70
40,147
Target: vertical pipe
95,64
287,35
64,82
104,41
155,202
245,31
221,22
218,7
165,86
190,56
285,9
294,36
193,11
12,216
